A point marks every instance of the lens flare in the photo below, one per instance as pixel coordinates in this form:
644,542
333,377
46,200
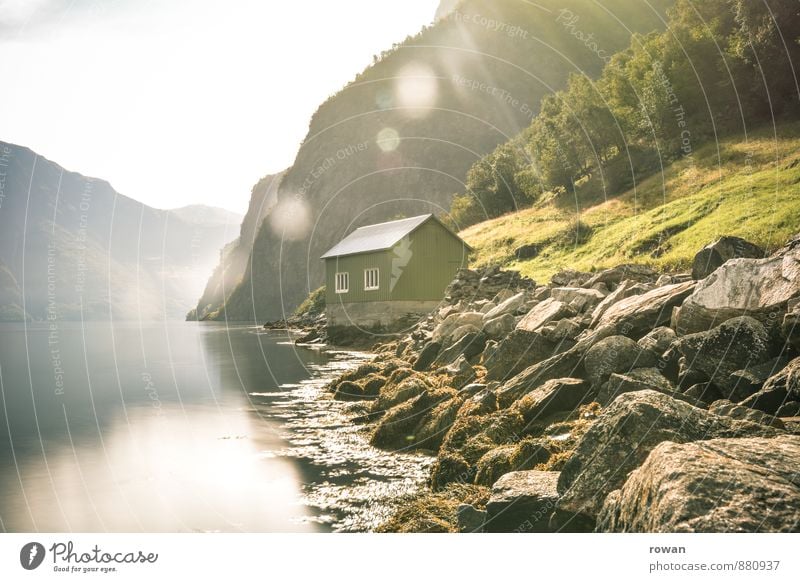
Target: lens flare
290,219
416,89
388,139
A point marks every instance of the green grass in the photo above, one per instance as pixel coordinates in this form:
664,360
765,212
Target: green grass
748,188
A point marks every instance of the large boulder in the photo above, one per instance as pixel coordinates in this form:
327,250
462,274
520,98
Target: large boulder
623,291
454,321
780,389
566,364
544,312
577,298
713,486
760,288
509,306
727,408
658,341
500,327
516,352
637,315
625,433
615,354
636,380
714,255
469,345
747,381
427,355
738,343
522,501
562,394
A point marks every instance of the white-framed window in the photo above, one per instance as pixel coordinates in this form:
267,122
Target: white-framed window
342,282
371,279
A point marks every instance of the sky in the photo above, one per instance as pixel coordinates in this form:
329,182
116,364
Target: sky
180,102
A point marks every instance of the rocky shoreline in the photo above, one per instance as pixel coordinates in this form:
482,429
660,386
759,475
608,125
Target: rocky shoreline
620,400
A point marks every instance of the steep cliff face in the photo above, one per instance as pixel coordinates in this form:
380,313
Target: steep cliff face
235,256
399,139
71,247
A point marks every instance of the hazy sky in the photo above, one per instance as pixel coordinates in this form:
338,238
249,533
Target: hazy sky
183,101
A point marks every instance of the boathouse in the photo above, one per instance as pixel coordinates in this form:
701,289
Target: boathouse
385,276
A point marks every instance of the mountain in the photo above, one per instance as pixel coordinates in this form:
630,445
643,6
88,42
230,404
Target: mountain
234,257
399,139
71,247
201,215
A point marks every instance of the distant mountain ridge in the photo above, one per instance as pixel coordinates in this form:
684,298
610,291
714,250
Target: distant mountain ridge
399,139
71,247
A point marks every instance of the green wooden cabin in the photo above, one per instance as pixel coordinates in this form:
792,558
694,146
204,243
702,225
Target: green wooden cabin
383,275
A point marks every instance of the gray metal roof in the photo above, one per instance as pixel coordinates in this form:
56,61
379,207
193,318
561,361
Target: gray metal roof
376,237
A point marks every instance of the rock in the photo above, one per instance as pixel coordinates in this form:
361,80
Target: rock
640,379
568,277
509,306
494,464
566,364
555,331
746,382
454,321
615,276
790,328
704,392
434,424
502,295
613,355
427,355
562,394
516,352
396,429
470,519
461,372
624,290
541,293
501,326
577,298
658,341
487,307
714,255
728,408
713,486
522,501
790,409
543,313
625,433
738,343
780,389
471,389
639,314
394,393
760,288
450,468
470,345
528,251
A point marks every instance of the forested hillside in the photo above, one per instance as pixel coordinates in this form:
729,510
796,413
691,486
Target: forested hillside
722,67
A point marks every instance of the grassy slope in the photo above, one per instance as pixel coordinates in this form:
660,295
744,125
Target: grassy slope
747,188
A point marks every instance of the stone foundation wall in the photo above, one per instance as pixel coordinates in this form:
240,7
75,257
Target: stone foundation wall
380,316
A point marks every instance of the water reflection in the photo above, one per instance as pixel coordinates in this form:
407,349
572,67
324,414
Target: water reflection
182,427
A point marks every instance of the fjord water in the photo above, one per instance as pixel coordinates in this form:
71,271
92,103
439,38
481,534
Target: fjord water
182,427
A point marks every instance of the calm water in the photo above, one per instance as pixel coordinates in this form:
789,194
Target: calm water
182,427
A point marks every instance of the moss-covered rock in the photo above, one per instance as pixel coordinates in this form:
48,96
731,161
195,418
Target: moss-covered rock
431,512
494,465
450,468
